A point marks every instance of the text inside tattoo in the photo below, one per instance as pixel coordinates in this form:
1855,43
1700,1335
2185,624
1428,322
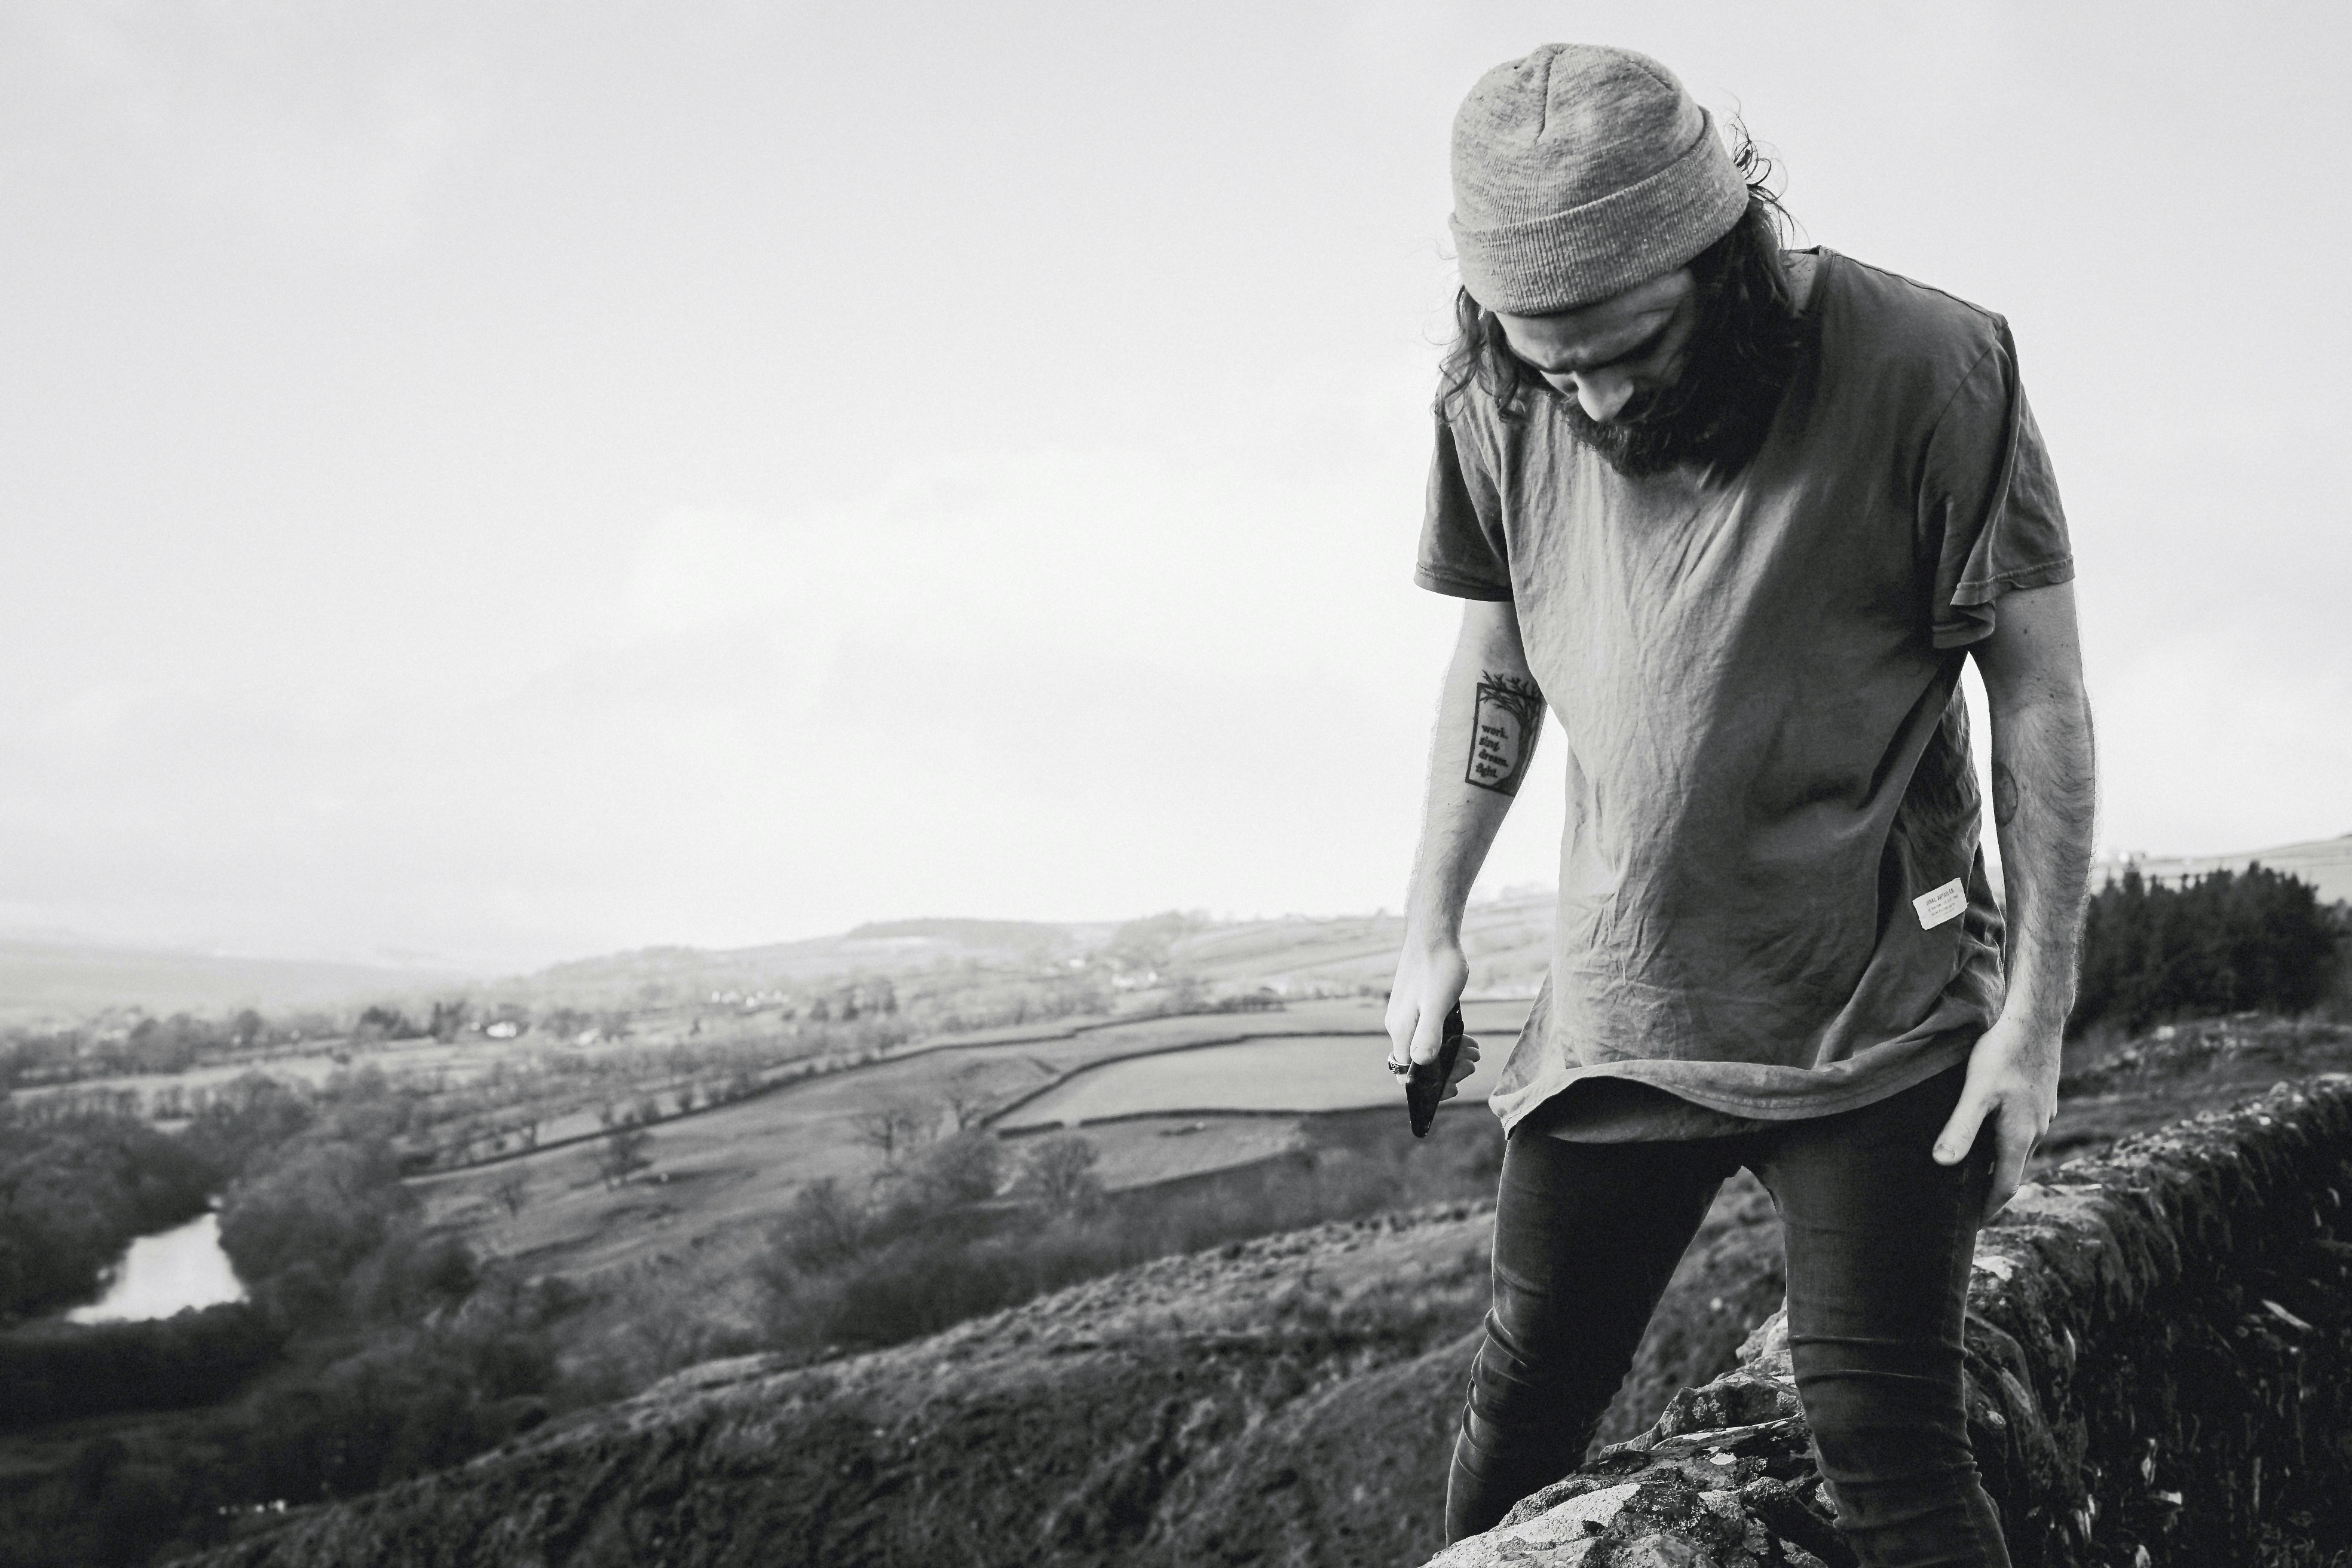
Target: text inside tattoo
1509,717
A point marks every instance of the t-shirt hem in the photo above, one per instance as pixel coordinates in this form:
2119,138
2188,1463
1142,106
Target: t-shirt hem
1979,598
1932,1056
2038,577
1459,587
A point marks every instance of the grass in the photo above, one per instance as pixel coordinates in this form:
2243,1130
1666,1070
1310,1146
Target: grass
1327,1072
916,1273
1315,1073
719,1176
1171,1148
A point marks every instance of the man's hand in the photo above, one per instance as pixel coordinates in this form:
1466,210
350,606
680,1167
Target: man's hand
1430,977
2042,794
1488,717
2012,1079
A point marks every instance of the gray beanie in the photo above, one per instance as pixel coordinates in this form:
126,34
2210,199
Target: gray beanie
1579,172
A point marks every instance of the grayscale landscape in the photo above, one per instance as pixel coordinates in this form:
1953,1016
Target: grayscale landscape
716,732
267,1258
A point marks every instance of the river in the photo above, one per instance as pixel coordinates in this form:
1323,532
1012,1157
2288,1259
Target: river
182,1267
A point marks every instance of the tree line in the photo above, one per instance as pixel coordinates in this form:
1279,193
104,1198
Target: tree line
2227,943
369,1349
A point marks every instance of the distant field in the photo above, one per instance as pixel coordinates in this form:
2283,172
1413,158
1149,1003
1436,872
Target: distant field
1329,1072
1508,941
1161,1148
462,1061
1339,1071
456,1062
728,1170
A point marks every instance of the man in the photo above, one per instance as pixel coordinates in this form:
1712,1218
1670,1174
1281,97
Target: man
1737,515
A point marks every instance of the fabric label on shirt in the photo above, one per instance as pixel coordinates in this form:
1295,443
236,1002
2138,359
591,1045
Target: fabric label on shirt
1936,907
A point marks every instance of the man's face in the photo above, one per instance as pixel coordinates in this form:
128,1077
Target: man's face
1616,356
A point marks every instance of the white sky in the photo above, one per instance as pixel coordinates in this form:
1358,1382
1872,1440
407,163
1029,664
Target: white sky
505,481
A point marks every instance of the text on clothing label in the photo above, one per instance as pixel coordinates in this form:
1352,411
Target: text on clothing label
1936,907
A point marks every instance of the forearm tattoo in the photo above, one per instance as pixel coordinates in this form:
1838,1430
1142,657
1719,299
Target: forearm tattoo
1503,732
2004,794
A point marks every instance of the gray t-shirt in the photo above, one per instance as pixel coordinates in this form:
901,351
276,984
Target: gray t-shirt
1772,900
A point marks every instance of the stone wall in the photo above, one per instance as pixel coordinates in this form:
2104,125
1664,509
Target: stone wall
2159,1351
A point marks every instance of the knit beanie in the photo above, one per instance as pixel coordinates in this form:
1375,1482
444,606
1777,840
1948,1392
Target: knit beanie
1579,172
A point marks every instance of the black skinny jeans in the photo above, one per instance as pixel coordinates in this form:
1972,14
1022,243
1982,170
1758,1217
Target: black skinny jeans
1879,1239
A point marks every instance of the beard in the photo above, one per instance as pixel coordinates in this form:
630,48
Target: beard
1716,412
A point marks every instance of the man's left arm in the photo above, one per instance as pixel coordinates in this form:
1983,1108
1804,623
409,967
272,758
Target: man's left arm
2043,798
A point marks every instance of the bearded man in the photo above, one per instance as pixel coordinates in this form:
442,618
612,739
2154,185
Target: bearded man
1737,515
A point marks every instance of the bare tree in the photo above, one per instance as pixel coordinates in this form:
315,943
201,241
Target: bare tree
669,1330
967,1101
512,1190
1060,1172
891,1129
623,1154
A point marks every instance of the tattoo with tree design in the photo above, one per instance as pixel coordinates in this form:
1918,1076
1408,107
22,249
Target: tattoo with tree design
1503,730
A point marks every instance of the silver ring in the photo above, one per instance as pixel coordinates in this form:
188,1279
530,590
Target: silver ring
1403,1069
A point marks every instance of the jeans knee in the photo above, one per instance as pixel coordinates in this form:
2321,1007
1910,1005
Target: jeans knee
1887,1417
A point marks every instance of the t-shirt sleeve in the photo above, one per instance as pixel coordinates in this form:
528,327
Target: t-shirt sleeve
1989,503
1462,548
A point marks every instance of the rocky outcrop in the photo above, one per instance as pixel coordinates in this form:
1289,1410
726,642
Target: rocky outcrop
2159,1346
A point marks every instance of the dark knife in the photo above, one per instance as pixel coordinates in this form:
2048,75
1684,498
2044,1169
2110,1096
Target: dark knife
1425,1084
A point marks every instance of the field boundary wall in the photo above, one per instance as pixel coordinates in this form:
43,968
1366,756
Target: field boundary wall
796,1075
996,1123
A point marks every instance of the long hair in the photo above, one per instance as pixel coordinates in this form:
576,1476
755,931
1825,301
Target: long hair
1746,313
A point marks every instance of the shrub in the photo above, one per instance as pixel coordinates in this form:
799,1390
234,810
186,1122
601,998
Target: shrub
966,1168
385,1023
906,1269
824,1229
60,1372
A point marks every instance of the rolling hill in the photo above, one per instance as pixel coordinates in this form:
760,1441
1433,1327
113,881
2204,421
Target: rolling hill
2325,863
60,978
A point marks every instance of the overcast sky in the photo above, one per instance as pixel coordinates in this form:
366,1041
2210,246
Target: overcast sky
500,482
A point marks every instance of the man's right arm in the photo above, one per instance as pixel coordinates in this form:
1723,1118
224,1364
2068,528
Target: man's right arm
1489,718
